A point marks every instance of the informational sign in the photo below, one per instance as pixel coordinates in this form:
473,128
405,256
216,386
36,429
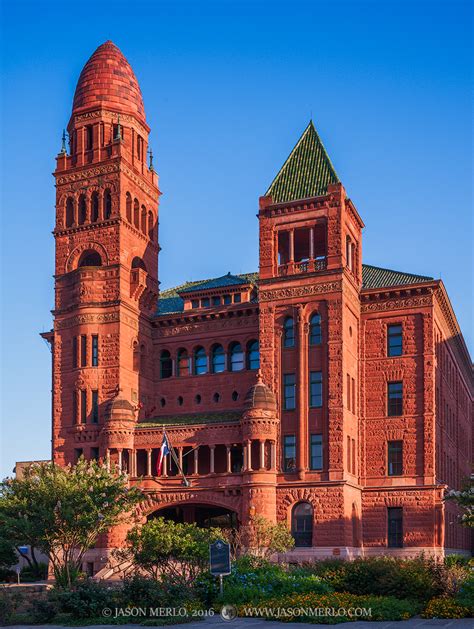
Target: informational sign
219,553
23,549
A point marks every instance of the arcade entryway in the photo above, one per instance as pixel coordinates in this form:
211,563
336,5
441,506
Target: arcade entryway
203,515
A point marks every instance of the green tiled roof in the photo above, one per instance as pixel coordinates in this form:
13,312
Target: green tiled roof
376,277
372,277
170,301
191,419
307,171
219,282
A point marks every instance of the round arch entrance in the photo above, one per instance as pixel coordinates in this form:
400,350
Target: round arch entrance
203,515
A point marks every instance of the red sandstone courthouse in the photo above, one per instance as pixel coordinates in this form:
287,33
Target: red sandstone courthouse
320,392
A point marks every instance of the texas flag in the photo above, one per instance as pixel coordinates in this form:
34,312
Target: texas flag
164,450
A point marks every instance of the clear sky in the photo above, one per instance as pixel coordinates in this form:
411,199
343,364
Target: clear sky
228,88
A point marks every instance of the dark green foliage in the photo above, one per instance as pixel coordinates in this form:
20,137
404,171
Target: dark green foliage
43,611
87,600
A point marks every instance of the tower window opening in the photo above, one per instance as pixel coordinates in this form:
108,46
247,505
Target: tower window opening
183,362
289,332
236,357
137,263
218,359
150,225
144,214
315,329
128,207
89,137
107,204
136,213
95,207
253,355
200,361
70,212
82,210
90,258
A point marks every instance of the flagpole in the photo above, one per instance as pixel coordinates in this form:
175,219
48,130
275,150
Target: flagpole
186,482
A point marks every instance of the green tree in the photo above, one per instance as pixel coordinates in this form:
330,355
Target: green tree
176,553
62,510
465,500
261,538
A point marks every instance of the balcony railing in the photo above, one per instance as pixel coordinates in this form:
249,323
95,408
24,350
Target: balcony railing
304,266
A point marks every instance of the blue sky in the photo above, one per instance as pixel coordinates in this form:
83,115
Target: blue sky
228,88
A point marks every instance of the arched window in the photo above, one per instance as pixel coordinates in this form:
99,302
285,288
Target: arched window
137,263
95,207
253,355
236,357
302,524
143,219
166,364
183,362
136,213
128,207
82,210
70,212
107,204
218,359
150,225
90,258
315,329
200,361
289,332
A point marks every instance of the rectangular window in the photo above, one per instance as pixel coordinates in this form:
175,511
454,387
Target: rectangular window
395,458
289,453
74,352
315,389
237,298
289,391
349,455
89,137
74,407
195,303
83,406
95,350
353,395
395,527
205,302
348,392
395,399
95,407
316,452
94,454
227,299
83,350
394,340
216,301
78,452
353,456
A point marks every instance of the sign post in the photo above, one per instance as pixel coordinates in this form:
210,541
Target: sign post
219,560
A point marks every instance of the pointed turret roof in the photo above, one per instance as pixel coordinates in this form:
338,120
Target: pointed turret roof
307,171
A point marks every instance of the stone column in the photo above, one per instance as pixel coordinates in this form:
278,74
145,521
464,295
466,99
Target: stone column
244,451
180,459
272,455
229,459
164,470
211,459
107,459
249,455
291,251
311,243
119,450
148,462
262,454
196,461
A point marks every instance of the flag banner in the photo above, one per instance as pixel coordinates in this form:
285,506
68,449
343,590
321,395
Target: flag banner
164,450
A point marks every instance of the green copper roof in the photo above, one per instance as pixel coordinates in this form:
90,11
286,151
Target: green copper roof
219,282
307,171
373,277
376,277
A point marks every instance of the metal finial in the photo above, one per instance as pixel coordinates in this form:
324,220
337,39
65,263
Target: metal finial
118,135
63,143
150,153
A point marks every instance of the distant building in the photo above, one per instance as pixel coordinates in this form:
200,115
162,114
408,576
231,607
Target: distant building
321,392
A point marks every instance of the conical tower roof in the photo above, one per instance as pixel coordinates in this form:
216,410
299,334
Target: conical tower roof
306,173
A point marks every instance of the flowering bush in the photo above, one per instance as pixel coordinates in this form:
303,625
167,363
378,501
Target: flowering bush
445,607
330,608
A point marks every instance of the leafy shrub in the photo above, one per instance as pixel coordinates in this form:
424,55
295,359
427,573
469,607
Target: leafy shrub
254,580
6,608
86,601
445,607
465,595
34,573
139,591
417,578
43,611
338,607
